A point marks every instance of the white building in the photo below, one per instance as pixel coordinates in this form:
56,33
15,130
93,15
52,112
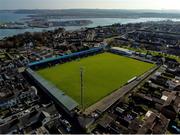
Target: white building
121,51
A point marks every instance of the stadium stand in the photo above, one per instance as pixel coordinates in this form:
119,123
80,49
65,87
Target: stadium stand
59,58
66,102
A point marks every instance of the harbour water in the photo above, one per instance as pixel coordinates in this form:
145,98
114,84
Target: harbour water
6,17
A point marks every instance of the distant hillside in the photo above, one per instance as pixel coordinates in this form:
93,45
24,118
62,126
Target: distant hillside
101,13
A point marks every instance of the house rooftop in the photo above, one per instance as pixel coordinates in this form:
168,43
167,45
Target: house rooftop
154,123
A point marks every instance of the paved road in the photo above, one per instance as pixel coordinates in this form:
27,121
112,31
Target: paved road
108,101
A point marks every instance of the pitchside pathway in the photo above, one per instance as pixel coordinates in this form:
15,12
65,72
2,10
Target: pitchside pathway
106,102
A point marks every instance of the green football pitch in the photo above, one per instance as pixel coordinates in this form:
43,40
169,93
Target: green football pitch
102,74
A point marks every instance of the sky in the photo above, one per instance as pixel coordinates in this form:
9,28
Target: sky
90,4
